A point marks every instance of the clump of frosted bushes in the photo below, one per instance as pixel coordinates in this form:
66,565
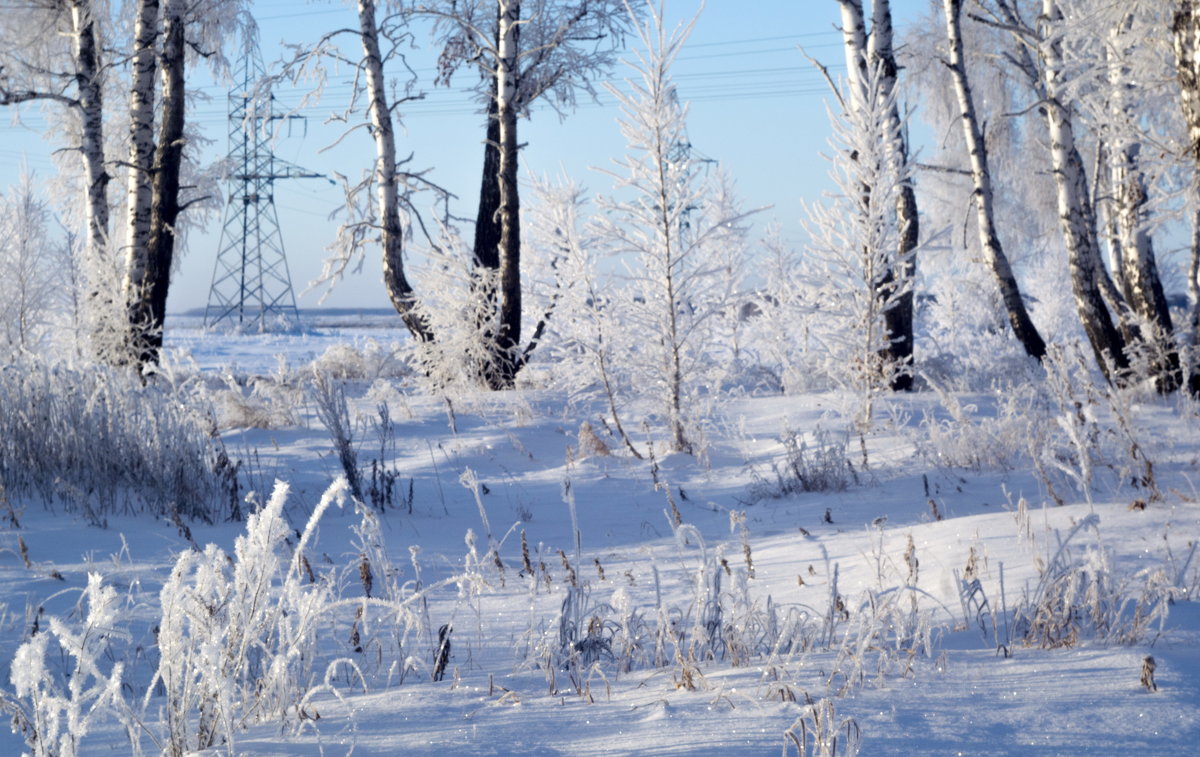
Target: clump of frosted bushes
100,442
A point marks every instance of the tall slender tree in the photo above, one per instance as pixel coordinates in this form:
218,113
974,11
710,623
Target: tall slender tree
870,56
989,239
1186,38
525,51
1037,55
166,34
54,52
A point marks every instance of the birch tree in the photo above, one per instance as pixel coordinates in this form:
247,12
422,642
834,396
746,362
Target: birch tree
663,227
1185,30
1037,55
378,204
1129,63
53,53
989,240
874,50
166,34
143,70
525,51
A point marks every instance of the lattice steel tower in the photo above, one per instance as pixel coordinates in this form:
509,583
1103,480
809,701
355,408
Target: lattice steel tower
251,284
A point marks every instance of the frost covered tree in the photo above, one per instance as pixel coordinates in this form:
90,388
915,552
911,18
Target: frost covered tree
54,53
28,272
854,239
983,196
870,56
526,52
662,223
1037,54
167,36
588,339
1120,77
378,204
58,56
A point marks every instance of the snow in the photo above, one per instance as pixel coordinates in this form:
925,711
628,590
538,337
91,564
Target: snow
959,695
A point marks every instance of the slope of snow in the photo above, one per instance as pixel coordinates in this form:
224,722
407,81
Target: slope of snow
963,690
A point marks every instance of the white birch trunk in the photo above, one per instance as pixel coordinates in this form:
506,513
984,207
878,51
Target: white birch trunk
1075,212
387,190
141,144
854,43
1186,38
989,240
507,62
86,52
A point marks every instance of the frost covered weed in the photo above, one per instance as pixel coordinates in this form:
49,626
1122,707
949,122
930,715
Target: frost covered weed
1069,427
1095,429
975,440
59,685
329,398
267,403
382,633
822,466
1078,597
819,733
238,635
370,362
98,442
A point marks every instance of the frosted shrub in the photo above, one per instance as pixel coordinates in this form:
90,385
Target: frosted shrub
98,441
853,264
238,635
59,685
993,433
821,466
367,362
459,314
329,398
266,403
1078,597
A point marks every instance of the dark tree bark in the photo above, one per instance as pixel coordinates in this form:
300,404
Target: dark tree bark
487,224
898,318
149,311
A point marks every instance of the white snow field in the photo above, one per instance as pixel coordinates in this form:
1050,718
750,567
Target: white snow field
932,599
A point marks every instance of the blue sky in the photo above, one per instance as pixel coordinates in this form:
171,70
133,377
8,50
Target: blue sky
757,106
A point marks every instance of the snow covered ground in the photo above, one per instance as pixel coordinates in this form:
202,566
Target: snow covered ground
673,605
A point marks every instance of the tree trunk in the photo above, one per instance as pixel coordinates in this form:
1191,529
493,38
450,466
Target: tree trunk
899,318
386,179
86,51
149,313
989,241
1194,279
141,160
1143,287
1186,37
1075,212
1137,273
487,224
508,338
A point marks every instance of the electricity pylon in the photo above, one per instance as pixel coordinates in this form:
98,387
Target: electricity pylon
251,284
